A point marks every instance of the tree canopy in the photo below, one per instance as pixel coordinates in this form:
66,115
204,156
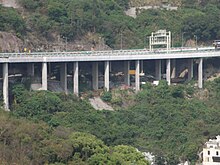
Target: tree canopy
74,19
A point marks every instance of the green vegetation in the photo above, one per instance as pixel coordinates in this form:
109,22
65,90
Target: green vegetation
25,142
74,19
11,20
173,122
170,121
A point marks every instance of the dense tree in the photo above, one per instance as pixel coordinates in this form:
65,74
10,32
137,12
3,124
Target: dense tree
11,20
166,120
73,19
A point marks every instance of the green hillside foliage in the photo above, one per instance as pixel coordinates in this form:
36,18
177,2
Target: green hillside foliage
25,142
74,19
170,121
12,21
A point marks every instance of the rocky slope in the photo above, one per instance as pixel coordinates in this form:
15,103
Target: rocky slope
9,42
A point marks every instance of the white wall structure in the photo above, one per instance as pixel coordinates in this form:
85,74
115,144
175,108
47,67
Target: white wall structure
107,75
126,72
137,75
211,152
190,69
200,73
168,70
76,78
5,86
95,75
44,76
63,76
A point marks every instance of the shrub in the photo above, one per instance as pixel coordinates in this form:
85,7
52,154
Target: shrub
106,96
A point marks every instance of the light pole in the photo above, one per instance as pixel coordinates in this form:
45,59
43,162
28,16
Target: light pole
65,42
145,41
172,40
182,39
121,40
103,43
100,43
195,36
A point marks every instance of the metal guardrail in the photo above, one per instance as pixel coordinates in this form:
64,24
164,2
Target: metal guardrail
107,53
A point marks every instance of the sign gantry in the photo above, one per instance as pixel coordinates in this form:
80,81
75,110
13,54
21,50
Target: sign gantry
160,37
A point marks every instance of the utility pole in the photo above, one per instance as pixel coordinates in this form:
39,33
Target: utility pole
182,38
195,36
65,42
121,40
100,42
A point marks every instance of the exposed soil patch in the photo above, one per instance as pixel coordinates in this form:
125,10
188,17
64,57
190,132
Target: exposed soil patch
9,42
98,104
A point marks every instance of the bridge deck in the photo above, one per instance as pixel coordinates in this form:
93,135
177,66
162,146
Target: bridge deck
114,55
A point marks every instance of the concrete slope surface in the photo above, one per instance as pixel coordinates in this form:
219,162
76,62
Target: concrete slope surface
98,104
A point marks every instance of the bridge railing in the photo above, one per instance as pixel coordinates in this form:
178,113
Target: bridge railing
107,52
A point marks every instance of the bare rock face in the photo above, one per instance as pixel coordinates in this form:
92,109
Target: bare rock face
9,42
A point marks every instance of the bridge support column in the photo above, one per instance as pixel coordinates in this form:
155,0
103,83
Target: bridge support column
107,75
137,75
168,69
126,73
200,75
142,66
63,76
44,76
5,86
158,69
30,69
76,78
173,75
190,69
95,75
49,68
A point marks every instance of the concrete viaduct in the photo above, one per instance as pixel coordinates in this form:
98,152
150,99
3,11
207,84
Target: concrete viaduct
107,57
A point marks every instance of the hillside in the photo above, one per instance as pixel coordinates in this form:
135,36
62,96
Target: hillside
172,122
60,25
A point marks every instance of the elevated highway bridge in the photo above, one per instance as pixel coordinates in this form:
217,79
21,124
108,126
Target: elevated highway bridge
112,55
137,55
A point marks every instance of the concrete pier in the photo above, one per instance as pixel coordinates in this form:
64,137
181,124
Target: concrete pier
173,64
95,75
5,86
190,69
168,69
44,76
107,75
158,69
76,78
126,73
142,66
30,69
63,76
200,73
137,75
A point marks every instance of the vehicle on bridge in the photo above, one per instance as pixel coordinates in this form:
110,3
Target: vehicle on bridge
216,43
